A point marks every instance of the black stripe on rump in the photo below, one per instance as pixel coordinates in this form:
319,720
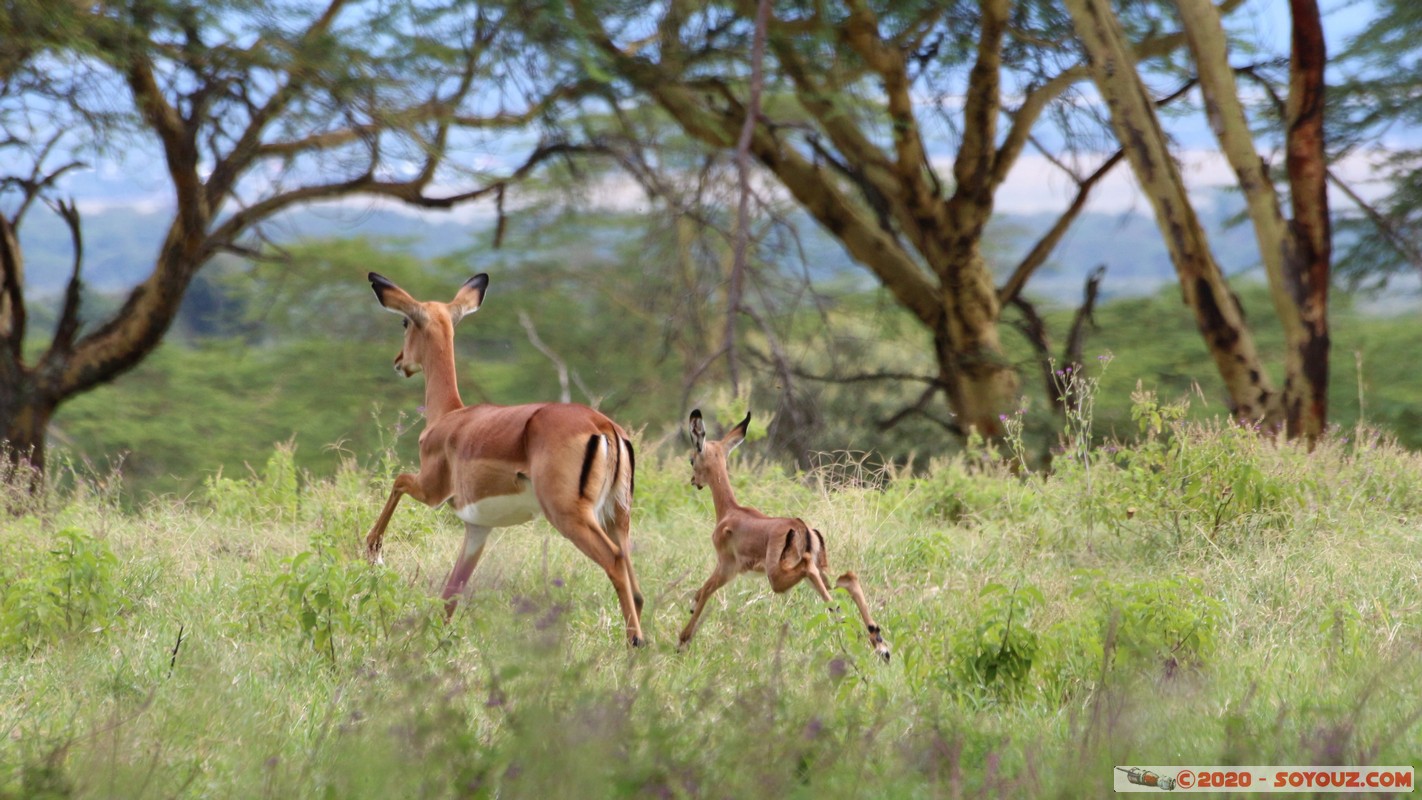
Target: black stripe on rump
587,463
632,467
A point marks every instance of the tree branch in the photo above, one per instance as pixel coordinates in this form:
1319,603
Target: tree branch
565,394
227,170
1085,313
12,292
68,325
743,142
1049,241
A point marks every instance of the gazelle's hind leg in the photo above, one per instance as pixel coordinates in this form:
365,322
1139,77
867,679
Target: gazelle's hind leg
474,538
622,532
785,562
816,562
582,530
850,583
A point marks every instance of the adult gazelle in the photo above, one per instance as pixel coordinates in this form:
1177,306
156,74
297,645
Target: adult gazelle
504,465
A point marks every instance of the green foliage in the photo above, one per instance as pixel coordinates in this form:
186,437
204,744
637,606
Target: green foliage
325,596
998,653
342,607
336,678
273,494
949,492
68,586
1156,624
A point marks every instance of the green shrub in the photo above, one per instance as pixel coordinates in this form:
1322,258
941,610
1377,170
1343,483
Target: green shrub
1157,624
338,605
270,495
999,652
69,587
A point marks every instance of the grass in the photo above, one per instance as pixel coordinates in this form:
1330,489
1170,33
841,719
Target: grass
1200,596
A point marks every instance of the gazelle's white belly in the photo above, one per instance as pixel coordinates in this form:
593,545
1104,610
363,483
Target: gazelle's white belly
500,511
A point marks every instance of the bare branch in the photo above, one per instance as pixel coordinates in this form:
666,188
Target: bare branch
738,265
68,324
920,408
565,394
1049,241
1034,330
226,171
1085,313
410,192
1404,245
12,292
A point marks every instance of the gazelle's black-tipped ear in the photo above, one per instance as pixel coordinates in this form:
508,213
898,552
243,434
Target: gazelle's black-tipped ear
394,299
736,435
379,282
469,297
698,429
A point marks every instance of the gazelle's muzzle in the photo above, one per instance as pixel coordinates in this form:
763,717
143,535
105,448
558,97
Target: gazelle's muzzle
404,368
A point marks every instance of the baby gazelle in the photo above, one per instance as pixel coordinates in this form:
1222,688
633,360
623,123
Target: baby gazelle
785,549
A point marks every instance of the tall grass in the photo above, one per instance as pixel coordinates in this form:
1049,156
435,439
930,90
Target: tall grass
1202,595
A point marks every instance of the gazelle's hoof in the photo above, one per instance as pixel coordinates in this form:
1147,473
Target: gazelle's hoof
882,651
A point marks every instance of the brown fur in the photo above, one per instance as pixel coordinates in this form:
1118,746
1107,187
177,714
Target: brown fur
746,540
474,453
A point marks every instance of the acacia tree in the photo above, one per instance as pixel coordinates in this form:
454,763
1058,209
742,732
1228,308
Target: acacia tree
251,108
1295,253
1374,106
859,123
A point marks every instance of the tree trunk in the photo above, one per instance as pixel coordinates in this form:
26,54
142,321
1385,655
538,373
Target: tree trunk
1295,256
24,418
1216,308
1309,262
982,385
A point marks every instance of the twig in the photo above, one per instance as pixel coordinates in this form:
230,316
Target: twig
733,291
173,661
564,394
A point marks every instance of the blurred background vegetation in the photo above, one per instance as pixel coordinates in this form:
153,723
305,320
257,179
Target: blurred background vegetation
296,349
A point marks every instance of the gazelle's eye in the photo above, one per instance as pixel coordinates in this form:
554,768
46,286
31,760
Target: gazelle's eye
405,322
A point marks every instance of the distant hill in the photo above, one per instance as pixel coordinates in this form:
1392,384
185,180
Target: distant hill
120,243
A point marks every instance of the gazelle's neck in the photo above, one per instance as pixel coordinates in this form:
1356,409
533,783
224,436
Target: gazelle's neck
441,382
720,483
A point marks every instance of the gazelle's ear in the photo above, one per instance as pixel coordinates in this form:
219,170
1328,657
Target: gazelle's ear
394,299
469,297
698,429
736,435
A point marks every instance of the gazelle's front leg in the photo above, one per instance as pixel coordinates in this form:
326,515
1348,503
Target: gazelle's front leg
405,483
720,577
374,539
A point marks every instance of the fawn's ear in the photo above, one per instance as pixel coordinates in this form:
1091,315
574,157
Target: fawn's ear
698,429
736,435
394,299
469,297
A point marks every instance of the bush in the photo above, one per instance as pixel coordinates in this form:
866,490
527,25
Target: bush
69,587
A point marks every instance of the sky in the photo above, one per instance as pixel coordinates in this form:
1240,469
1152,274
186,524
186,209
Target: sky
1034,185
